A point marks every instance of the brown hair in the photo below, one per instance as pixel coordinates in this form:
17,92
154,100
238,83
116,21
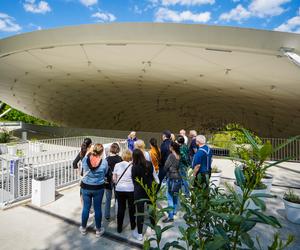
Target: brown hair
98,149
114,148
127,155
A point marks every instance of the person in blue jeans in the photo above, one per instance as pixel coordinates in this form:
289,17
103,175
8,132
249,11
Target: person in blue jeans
174,180
184,164
92,187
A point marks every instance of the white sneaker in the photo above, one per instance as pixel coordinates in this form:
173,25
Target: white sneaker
137,236
82,230
99,232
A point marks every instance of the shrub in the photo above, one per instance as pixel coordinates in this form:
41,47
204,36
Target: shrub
4,136
292,197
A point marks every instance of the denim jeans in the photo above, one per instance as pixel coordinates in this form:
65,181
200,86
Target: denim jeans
108,195
185,183
88,196
172,201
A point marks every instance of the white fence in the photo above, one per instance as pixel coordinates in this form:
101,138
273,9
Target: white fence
55,160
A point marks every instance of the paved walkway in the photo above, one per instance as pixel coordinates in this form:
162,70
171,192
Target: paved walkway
55,226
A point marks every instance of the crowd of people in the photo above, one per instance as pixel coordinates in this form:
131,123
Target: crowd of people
119,174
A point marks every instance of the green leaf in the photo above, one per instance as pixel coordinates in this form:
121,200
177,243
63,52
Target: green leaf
221,215
258,202
250,139
263,195
220,201
236,219
146,245
265,151
141,200
278,162
286,143
240,178
270,220
247,225
220,230
247,240
258,243
217,242
166,228
173,244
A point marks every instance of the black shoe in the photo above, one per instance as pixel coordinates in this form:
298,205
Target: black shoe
168,220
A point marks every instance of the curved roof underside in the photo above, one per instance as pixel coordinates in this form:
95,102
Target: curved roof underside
151,76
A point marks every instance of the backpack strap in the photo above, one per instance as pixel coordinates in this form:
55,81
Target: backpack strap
207,154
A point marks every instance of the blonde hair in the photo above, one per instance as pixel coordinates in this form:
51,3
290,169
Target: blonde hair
140,144
127,155
98,149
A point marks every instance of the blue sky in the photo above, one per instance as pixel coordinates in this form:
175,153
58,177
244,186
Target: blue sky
19,16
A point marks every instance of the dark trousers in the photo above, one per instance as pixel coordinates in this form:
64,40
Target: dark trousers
122,197
140,207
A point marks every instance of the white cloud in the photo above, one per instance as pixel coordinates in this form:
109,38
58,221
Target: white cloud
237,14
40,7
8,24
263,8
164,14
137,10
34,26
291,25
257,8
186,2
88,3
104,16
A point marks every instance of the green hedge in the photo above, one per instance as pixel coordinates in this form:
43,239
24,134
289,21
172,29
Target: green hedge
15,115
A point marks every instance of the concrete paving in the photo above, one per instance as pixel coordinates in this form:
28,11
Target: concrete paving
55,226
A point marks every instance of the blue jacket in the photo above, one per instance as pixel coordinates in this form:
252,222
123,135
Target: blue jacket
94,176
164,151
130,143
203,157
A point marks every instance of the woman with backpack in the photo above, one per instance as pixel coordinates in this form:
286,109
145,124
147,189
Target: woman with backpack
112,160
174,180
124,190
92,186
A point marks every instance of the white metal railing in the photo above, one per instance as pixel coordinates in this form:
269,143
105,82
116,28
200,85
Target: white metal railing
55,160
290,151
77,141
16,174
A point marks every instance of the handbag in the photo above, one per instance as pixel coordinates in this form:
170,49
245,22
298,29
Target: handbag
174,186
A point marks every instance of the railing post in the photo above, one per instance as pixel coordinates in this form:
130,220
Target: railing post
14,177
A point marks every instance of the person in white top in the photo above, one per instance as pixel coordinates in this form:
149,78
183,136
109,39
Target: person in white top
183,133
124,190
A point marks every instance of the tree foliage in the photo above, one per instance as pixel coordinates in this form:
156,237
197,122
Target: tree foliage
15,115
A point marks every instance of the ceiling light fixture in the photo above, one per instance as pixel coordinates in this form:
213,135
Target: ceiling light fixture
291,55
219,50
295,58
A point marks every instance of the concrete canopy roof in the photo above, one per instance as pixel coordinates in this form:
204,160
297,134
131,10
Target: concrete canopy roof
153,76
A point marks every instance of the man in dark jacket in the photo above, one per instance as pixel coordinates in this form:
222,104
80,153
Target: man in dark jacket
164,151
